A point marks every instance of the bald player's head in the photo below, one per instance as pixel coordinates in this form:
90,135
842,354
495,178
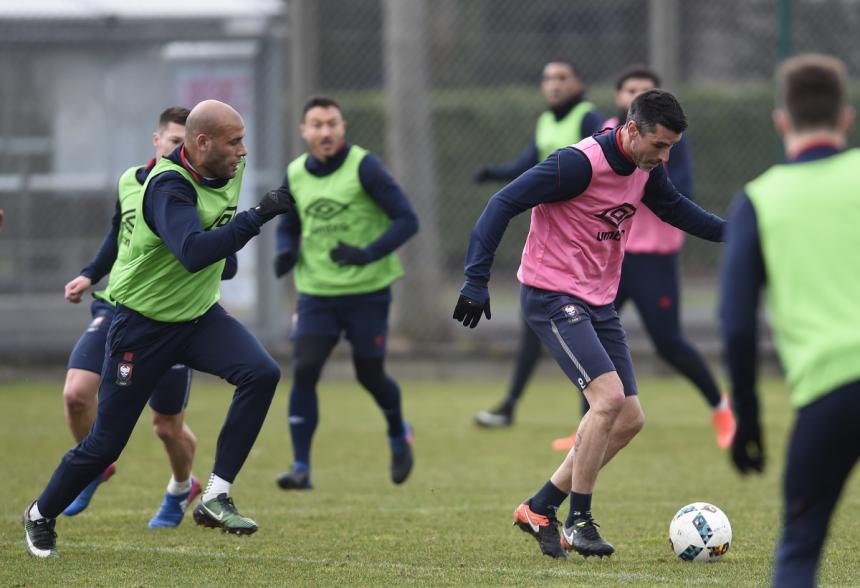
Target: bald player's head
214,134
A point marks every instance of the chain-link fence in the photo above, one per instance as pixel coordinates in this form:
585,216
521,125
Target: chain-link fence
438,88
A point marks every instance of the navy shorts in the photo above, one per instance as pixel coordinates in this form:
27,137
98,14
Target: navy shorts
363,318
586,341
171,394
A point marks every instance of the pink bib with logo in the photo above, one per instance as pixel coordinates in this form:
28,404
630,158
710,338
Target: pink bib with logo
576,246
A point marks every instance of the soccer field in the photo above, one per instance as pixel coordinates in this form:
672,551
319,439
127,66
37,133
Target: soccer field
450,524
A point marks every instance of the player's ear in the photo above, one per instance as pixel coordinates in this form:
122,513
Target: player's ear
781,121
632,128
846,118
155,139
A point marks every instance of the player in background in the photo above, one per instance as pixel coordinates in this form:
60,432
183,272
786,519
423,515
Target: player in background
350,218
583,199
569,118
650,278
168,401
167,292
791,232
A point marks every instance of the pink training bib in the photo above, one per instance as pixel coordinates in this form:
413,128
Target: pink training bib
576,246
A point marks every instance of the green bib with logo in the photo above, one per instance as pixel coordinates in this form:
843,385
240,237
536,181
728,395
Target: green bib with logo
807,215
129,192
151,280
552,134
335,208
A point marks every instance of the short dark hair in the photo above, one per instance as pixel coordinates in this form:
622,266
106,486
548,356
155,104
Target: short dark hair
657,107
570,64
812,88
174,114
638,72
320,101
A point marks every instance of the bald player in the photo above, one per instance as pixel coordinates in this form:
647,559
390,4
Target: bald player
167,313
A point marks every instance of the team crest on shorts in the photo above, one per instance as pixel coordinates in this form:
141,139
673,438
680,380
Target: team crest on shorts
569,310
123,373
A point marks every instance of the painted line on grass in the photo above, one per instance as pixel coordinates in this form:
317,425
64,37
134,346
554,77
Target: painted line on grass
424,569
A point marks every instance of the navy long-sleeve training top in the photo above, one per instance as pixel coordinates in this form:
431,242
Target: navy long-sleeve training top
565,175
742,278
170,211
592,123
105,256
379,184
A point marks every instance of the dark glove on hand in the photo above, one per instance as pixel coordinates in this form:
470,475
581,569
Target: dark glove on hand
284,262
469,311
483,175
747,449
275,202
345,254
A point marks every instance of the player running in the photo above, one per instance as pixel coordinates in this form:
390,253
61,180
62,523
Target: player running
350,218
171,394
168,312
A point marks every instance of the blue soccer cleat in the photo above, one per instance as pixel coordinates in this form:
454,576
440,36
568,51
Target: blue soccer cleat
83,500
173,507
402,458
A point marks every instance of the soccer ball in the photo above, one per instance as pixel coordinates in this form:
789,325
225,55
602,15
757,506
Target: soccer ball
700,532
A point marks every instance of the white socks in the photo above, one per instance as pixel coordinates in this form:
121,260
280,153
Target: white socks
175,488
34,512
215,487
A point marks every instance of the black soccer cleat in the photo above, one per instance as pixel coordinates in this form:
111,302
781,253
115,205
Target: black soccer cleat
584,538
295,479
495,418
543,528
39,536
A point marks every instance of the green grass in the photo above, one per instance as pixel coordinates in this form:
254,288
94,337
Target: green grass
448,525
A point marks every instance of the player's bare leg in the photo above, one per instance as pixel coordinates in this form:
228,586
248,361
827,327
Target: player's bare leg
610,425
80,402
180,445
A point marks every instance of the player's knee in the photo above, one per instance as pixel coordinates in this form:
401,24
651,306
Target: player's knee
267,372
167,427
370,374
633,423
78,398
605,394
306,373
669,348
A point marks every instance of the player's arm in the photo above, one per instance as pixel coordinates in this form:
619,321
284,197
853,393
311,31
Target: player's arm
231,267
662,197
509,171
742,278
592,123
680,167
288,236
376,180
100,265
170,210
563,175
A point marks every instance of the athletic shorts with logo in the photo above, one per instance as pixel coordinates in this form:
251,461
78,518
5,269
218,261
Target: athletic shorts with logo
173,389
586,341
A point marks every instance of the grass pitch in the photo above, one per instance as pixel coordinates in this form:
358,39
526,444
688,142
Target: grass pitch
448,525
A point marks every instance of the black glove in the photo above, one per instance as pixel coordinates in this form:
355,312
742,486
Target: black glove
483,175
469,311
284,262
275,202
747,449
345,254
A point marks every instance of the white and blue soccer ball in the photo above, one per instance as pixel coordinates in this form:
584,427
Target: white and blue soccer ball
700,532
